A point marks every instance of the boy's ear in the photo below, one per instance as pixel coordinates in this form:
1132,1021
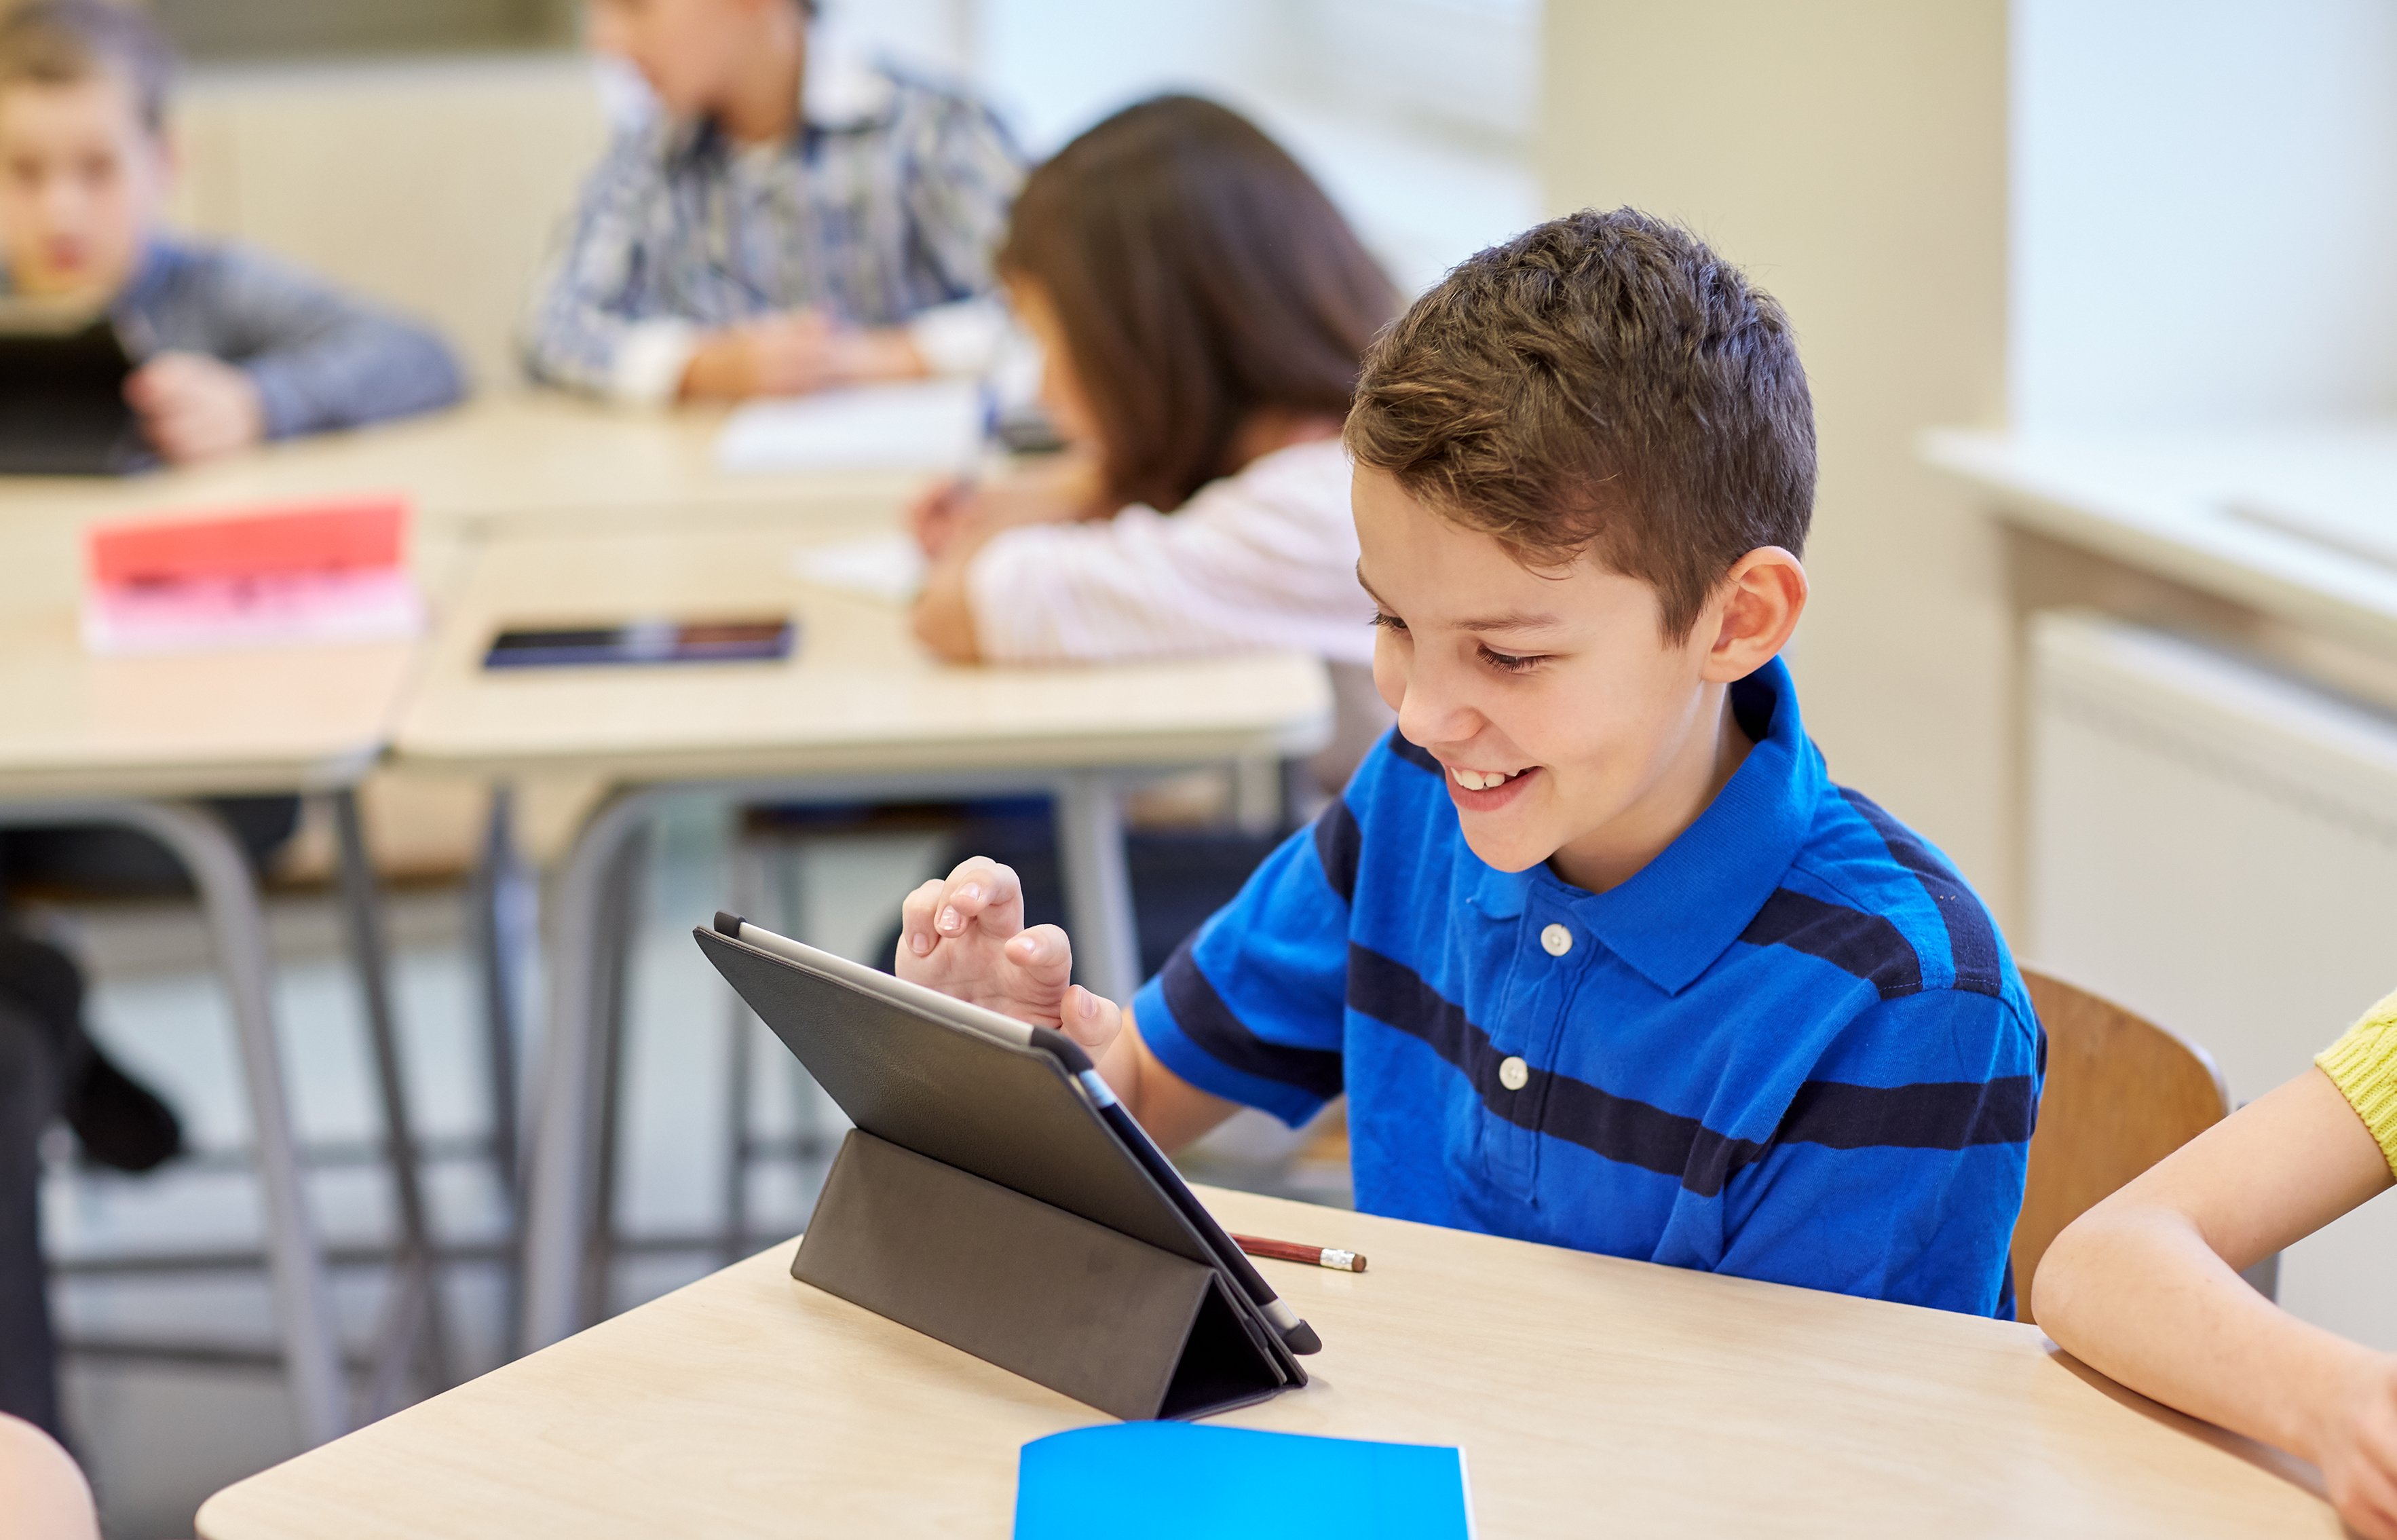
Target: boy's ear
1754,611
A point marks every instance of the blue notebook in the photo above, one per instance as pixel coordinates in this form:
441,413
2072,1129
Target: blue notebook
1188,1481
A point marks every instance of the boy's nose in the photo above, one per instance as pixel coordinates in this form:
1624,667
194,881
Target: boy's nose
1429,718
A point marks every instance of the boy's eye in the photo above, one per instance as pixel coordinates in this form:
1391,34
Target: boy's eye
1512,663
1388,621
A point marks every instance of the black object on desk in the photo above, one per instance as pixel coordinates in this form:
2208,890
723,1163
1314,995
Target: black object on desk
62,407
986,1199
644,642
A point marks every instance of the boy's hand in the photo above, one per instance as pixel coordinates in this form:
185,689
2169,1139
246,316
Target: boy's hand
194,408
794,353
2358,1454
964,936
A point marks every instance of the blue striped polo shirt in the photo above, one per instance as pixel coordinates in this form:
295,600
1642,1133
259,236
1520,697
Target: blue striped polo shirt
1794,1047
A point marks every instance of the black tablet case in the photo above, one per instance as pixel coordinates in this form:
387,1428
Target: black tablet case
62,410
982,1200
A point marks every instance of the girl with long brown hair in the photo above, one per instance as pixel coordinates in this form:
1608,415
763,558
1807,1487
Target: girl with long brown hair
1201,307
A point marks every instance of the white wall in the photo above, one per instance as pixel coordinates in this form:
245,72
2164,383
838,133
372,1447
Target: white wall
435,185
1850,156
2204,210
1415,114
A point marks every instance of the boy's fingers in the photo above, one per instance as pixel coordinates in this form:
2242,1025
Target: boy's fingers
981,888
1044,953
915,935
1090,1020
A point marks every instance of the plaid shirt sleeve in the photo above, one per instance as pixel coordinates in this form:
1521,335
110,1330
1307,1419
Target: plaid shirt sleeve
962,176
587,320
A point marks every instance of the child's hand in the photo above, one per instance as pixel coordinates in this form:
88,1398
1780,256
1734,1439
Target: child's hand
794,353
935,517
193,406
964,936
2358,1452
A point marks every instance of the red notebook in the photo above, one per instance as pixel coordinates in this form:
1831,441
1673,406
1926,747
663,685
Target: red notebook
333,570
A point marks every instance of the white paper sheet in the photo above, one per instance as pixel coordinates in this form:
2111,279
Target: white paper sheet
930,425
886,567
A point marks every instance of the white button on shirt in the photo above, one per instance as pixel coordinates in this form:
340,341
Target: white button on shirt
1514,1073
1557,940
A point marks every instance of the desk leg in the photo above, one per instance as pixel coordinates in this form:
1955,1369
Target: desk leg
416,1292
559,1187
502,909
304,1305
1098,887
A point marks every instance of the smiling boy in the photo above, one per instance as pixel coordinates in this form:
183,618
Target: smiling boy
1598,952
239,347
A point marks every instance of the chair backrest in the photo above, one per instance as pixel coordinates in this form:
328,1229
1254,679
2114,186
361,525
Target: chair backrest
2121,1093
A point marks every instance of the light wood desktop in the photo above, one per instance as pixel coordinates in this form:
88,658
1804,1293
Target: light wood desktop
129,741
521,459
857,696
859,712
1591,1395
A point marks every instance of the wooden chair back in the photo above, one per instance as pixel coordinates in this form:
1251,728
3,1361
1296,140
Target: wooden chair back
2121,1093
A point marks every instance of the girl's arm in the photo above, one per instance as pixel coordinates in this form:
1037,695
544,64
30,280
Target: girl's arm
2145,1287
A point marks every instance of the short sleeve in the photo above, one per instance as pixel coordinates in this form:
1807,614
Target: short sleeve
2363,1065
1251,1009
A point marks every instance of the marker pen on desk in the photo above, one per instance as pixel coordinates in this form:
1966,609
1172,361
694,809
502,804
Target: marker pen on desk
1298,1336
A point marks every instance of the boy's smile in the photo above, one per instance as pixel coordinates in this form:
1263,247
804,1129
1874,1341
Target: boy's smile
1570,730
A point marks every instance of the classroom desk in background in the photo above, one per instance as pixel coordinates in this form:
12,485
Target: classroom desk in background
1590,1394
523,460
130,741
858,713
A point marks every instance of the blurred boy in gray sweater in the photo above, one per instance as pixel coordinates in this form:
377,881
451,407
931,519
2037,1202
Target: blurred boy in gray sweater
239,348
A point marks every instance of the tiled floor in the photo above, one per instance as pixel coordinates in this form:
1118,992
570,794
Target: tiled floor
158,1437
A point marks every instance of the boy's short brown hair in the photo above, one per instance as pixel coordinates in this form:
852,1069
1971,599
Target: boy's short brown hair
65,42
1601,383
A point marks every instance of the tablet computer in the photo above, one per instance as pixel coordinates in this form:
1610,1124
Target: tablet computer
754,639
62,407
1015,1104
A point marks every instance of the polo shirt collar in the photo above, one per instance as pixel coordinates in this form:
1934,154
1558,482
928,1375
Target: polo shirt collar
1682,910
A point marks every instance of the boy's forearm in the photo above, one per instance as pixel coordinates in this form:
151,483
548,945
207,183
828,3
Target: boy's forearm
2140,1296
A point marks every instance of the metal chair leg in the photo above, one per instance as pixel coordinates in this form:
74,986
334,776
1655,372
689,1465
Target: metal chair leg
741,1030
559,1183
1098,885
498,895
296,1259
620,916
415,1316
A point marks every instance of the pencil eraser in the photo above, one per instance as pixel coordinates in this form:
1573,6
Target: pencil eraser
729,925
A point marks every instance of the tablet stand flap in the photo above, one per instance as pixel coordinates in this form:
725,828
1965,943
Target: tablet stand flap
1114,1322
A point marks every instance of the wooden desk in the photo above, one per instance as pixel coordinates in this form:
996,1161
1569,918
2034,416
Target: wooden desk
1590,1394
129,741
858,713
525,460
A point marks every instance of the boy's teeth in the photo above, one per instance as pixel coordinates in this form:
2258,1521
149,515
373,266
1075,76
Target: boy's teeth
1479,779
